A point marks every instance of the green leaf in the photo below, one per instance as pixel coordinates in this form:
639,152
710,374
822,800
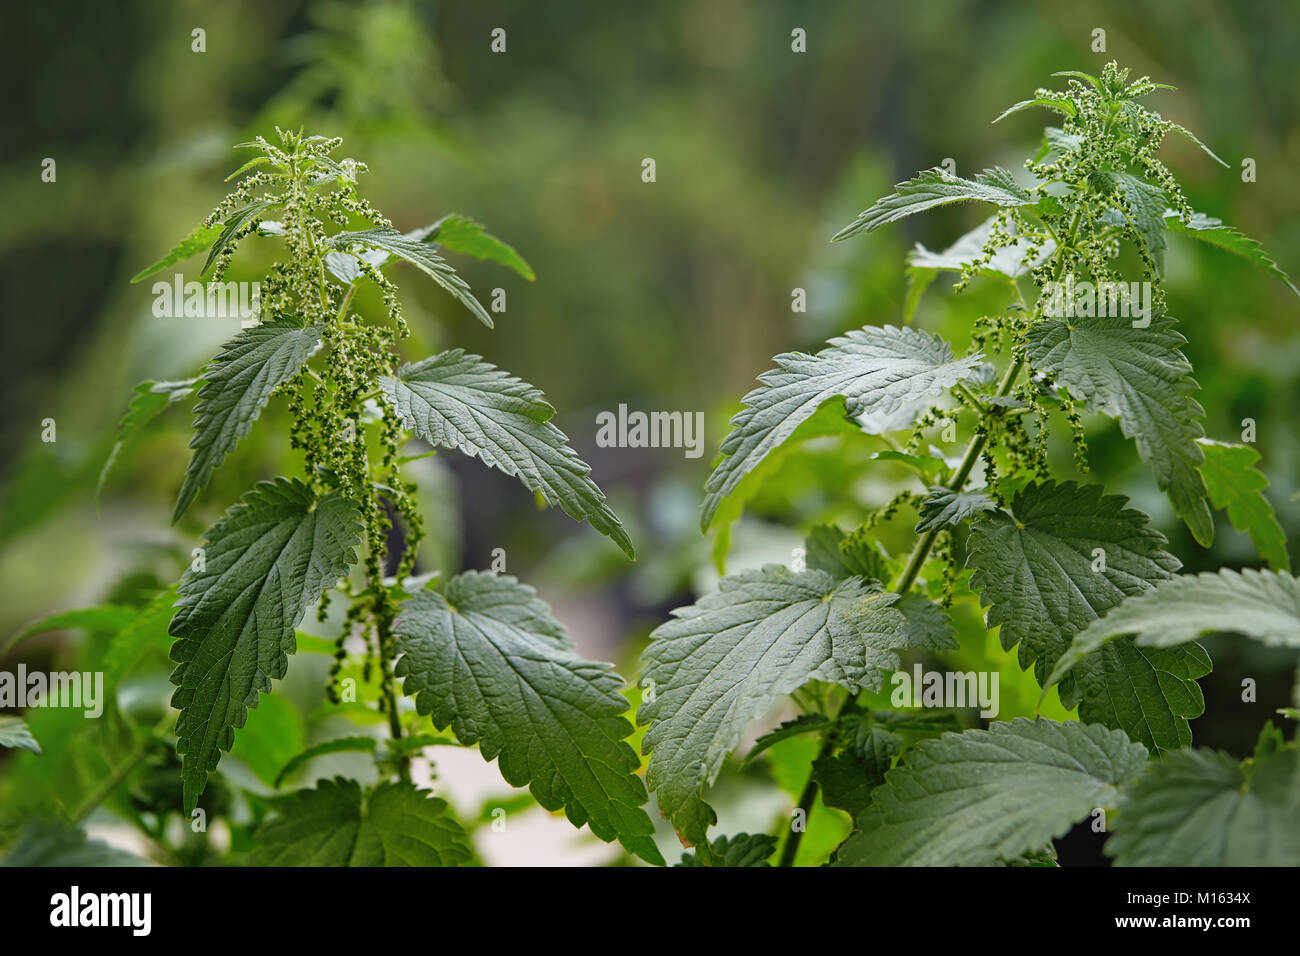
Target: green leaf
937,187
943,507
1264,605
104,619
1060,104
14,733
1215,233
730,656
273,733
872,371
1182,130
743,849
457,400
1138,376
198,240
1148,204
269,558
145,632
488,659
148,402
234,223
928,626
1039,570
335,746
335,824
974,798
1080,75
419,254
48,843
463,235
1236,484
844,556
803,724
1202,808
237,386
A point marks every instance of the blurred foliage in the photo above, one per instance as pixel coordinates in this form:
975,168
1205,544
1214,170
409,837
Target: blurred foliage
671,295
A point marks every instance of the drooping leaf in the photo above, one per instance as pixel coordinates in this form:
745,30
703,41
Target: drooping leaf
49,843
743,849
237,386
1264,605
973,798
1138,376
1215,233
463,235
270,557
15,733
1148,204
337,825
199,239
1203,808
944,507
236,221
1059,559
146,404
457,400
490,661
335,746
1184,131
419,254
803,724
1235,484
937,187
873,370
729,657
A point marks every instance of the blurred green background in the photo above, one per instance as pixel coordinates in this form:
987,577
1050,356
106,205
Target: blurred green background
671,295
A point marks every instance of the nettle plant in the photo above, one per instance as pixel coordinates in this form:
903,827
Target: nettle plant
479,653
1077,582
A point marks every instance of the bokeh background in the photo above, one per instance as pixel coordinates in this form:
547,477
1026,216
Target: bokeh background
665,296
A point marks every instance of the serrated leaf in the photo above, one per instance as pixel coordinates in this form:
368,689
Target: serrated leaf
1138,376
729,657
490,661
49,843
1215,233
336,746
147,403
844,556
937,187
237,386
419,254
1235,484
236,221
463,235
1060,104
1184,131
944,507
336,825
457,400
803,724
928,626
1264,605
1148,210
15,733
873,370
1034,570
199,239
1202,808
973,798
743,849
270,557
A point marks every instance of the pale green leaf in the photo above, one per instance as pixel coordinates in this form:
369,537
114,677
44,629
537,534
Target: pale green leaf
1236,484
465,236
15,733
198,240
938,187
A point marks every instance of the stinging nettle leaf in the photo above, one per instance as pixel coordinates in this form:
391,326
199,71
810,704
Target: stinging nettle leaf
490,661
938,187
1202,808
1138,376
419,254
974,798
199,239
148,402
1236,484
1060,104
465,236
1264,605
1215,233
237,386
15,733
456,400
873,370
732,655
234,223
743,849
943,507
266,561
337,824
1059,559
